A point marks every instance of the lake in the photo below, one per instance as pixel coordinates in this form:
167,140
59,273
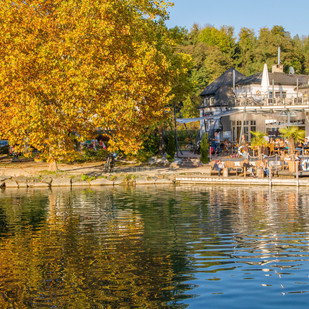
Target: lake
155,247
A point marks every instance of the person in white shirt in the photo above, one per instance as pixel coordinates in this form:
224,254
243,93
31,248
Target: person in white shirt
219,166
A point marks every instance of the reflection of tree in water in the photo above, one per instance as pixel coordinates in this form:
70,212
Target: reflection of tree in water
135,247
3,222
90,253
18,209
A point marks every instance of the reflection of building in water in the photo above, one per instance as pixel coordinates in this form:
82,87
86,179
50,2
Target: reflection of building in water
263,211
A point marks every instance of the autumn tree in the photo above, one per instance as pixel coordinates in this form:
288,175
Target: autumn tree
69,67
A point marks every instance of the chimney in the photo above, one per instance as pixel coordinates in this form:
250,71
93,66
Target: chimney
277,68
279,52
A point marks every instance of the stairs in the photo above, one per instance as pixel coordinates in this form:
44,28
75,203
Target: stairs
189,163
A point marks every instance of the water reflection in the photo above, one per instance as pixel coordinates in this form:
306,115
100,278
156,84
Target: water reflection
154,247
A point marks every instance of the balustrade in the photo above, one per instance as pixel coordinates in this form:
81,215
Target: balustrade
256,100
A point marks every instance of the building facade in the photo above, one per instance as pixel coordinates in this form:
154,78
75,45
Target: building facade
262,102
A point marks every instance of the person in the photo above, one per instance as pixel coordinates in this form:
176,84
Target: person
265,167
110,162
282,144
249,167
299,146
213,147
93,144
218,166
306,146
102,145
243,140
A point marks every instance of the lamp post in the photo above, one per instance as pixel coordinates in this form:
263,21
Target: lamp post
176,144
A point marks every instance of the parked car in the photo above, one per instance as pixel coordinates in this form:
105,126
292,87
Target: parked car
4,147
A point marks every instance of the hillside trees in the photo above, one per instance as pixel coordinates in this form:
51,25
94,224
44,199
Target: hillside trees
267,48
246,51
304,45
212,53
69,67
215,50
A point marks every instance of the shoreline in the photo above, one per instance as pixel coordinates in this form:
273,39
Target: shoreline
33,175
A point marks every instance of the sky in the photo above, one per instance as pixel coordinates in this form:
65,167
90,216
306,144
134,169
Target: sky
253,14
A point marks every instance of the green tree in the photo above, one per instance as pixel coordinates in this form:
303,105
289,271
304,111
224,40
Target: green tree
216,63
305,52
267,48
258,141
170,146
246,51
189,108
223,38
293,134
150,146
204,149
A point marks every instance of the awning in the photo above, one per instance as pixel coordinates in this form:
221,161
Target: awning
188,120
277,125
210,117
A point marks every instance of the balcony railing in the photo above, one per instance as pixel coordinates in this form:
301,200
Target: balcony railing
260,101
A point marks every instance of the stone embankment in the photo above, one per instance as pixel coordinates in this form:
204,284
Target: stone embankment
36,175
31,174
76,182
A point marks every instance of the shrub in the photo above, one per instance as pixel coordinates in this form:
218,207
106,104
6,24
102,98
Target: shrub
150,147
87,178
96,155
170,146
204,148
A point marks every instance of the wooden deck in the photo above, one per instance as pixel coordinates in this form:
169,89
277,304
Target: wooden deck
242,181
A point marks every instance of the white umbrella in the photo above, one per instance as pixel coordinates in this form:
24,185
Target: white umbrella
265,80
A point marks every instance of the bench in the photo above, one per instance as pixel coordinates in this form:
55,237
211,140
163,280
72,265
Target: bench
212,171
231,167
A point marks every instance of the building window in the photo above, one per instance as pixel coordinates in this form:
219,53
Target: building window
248,126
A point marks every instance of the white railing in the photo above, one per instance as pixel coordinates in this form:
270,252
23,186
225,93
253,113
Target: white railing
258,101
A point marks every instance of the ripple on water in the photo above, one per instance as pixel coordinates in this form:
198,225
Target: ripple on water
194,246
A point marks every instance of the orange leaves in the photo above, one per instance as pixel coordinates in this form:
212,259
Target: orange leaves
69,67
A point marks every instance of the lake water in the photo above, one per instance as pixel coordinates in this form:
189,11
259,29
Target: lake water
155,247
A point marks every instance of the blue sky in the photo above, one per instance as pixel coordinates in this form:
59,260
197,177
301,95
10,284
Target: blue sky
253,14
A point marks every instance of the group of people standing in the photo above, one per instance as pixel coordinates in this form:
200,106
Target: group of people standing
215,144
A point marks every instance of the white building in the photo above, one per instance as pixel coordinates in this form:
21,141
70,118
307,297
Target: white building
261,102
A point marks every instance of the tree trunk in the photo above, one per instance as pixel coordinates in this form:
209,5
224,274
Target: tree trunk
291,146
161,142
260,152
53,166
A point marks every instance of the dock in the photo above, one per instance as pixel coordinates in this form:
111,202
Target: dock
242,181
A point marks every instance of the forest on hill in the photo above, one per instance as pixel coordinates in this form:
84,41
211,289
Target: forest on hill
213,51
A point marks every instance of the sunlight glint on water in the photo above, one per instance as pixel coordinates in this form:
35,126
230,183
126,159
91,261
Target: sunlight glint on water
214,247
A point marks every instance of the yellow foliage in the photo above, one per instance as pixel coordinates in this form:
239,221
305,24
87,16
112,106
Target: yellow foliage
69,67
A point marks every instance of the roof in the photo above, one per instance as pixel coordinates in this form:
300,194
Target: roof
278,78
226,79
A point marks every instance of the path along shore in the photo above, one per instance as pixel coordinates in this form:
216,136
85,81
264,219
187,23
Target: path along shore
36,174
